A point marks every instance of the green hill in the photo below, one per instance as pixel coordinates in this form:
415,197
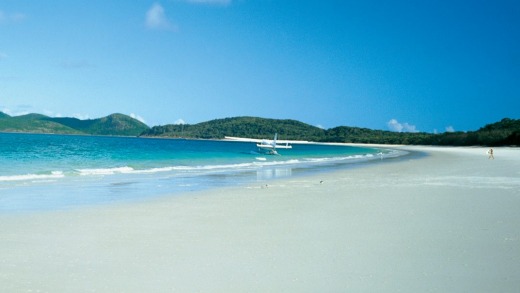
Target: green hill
505,132
348,134
252,127
115,124
33,123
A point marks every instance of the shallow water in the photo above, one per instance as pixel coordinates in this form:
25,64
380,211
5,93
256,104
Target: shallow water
41,171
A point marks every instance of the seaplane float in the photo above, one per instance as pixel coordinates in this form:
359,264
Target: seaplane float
270,146
265,146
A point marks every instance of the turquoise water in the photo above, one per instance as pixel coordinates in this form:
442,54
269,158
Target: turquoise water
40,172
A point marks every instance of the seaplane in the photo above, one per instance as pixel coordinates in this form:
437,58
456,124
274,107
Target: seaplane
270,146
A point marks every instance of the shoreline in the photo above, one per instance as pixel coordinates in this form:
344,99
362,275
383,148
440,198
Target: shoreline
446,221
135,181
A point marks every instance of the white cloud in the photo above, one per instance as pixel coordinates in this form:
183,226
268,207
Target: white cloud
14,112
6,111
320,126
395,125
135,116
179,121
81,116
450,129
156,18
51,113
210,2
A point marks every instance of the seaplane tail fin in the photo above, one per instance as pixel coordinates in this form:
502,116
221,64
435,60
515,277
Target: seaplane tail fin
274,141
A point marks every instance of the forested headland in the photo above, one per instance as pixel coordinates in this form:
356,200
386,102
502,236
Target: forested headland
504,132
114,124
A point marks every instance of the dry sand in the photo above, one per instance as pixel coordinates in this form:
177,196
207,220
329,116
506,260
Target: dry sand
448,222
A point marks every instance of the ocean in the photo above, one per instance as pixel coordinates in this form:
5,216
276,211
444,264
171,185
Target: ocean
49,172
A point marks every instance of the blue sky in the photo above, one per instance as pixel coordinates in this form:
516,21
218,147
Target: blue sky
430,66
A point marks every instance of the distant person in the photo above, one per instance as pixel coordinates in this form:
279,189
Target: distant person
490,153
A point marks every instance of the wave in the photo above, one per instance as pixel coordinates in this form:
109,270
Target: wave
257,164
34,177
105,171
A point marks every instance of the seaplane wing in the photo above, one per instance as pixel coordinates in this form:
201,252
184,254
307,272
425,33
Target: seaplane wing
243,139
274,146
270,145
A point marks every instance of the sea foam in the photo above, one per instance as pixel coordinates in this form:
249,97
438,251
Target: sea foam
28,177
105,171
257,163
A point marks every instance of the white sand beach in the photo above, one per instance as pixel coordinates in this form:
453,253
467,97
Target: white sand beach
447,222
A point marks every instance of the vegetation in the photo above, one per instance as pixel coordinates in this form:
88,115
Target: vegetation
505,132
252,127
115,124
33,123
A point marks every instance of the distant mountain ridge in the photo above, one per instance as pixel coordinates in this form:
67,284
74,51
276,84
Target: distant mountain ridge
114,124
504,132
251,127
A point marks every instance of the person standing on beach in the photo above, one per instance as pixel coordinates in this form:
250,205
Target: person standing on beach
490,152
